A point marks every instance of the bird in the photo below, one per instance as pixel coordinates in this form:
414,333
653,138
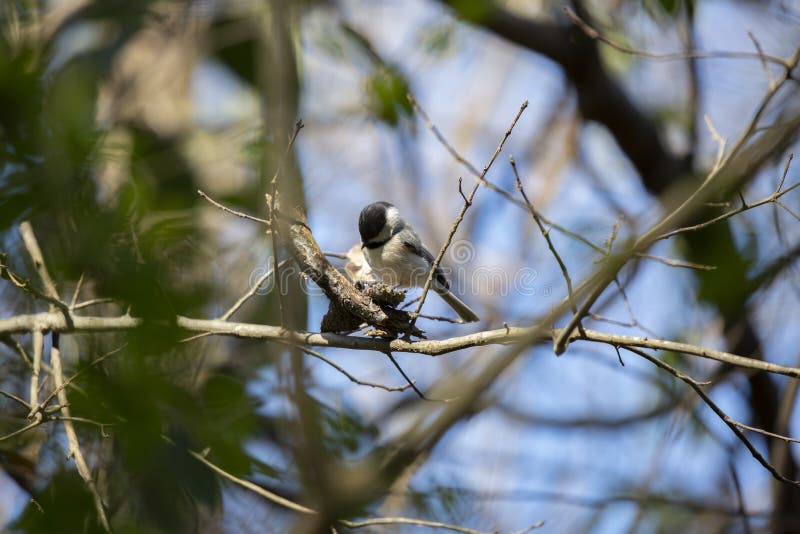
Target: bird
396,254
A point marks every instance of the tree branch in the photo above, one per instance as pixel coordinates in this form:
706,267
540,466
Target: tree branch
54,321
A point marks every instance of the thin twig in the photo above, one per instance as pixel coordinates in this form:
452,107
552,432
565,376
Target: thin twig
66,383
32,246
72,437
277,499
765,432
785,172
721,141
696,386
437,318
677,263
408,380
423,523
489,185
232,211
291,505
773,198
742,510
762,57
597,36
38,343
545,233
26,285
596,284
15,398
35,252
788,210
76,293
29,426
350,377
252,291
467,203
15,345
88,303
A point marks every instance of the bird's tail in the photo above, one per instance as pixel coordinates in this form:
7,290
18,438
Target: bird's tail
464,312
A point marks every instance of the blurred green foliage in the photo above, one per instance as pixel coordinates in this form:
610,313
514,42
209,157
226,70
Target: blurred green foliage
135,243
387,90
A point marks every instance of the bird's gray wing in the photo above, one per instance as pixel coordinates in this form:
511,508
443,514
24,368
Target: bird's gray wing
416,247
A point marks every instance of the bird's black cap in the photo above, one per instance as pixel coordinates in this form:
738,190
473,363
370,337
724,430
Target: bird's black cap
372,220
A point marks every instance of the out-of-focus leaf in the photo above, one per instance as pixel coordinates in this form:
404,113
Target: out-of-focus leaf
726,286
226,421
386,90
239,54
344,432
472,10
155,423
671,8
21,101
64,505
437,38
386,86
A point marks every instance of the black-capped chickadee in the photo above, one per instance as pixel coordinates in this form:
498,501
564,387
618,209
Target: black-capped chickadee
396,254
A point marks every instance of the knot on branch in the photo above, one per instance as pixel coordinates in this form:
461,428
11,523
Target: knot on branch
340,319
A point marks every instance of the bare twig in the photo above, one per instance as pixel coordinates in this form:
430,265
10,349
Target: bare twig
258,490
785,172
763,58
408,380
489,185
350,377
739,497
232,211
467,203
38,343
677,263
545,233
697,387
773,198
70,380
597,36
26,285
88,303
716,180
33,424
15,398
721,141
424,523
436,318
252,291
76,293
764,432
291,505
32,246
795,216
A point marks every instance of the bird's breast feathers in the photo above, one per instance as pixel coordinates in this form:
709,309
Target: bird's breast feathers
397,264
